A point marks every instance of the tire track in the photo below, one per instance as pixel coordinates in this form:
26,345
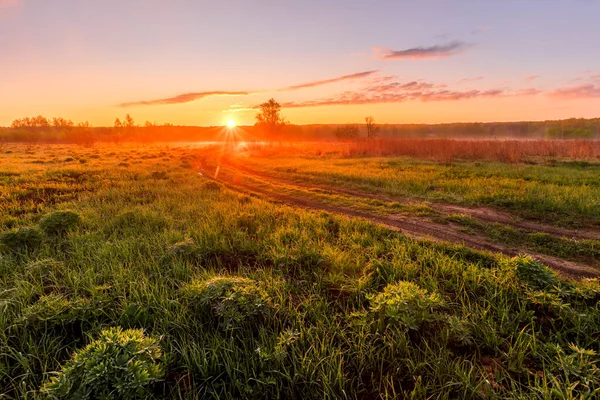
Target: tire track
412,227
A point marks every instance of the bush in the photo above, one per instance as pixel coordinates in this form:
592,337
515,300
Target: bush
59,223
118,365
234,300
404,304
24,239
533,273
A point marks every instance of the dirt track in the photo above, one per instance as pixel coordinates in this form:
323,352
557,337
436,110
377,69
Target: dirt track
240,178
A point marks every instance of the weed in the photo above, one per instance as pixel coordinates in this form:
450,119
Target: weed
404,304
235,301
118,364
533,273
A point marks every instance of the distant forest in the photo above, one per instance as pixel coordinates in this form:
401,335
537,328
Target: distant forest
59,130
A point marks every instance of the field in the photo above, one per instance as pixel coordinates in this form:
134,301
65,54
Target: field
289,271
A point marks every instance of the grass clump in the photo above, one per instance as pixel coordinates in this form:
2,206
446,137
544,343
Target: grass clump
236,301
404,304
21,240
118,365
212,187
185,249
60,222
535,274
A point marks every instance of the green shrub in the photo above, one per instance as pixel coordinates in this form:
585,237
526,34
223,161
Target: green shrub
23,239
59,223
118,365
534,274
57,309
404,304
234,300
51,308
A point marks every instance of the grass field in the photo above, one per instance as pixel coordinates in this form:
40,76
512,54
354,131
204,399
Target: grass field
222,292
561,191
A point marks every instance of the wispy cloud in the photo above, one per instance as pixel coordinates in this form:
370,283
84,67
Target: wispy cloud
182,98
189,97
465,80
353,98
358,75
398,92
585,91
480,30
417,53
530,78
527,92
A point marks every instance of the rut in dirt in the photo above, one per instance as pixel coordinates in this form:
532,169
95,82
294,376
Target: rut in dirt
486,214
413,227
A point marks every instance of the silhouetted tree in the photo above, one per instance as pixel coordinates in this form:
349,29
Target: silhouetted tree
128,122
269,118
372,128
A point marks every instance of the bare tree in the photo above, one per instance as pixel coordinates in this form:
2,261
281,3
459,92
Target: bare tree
372,128
269,118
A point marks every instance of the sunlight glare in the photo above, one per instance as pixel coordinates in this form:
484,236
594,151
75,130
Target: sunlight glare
231,123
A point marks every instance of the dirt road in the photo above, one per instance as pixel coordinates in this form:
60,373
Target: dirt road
241,178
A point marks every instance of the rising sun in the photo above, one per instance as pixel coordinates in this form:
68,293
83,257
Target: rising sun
231,123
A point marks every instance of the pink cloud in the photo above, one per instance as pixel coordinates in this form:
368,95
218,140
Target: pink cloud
182,98
584,91
358,75
464,80
418,53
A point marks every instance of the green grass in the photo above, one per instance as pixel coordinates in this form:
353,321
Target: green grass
585,250
563,193
313,305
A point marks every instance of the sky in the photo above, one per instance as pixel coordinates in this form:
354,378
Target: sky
201,62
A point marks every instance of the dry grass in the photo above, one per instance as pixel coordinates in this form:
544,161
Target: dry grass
446,150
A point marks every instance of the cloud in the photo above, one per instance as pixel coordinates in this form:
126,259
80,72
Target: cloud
183,98
418,53
464,80
358,75
530,78
398,92
481,29
397,86
527,92
584,91
189,97
355,98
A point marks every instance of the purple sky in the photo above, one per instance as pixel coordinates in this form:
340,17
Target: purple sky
203,62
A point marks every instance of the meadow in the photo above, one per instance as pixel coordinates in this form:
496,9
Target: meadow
175,272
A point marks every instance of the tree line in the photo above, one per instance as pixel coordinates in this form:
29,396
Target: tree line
271,125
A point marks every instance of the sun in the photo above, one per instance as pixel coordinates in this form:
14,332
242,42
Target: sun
231,123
